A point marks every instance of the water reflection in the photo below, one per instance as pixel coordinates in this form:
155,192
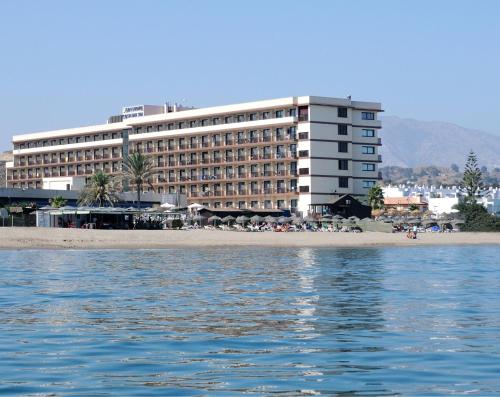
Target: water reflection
269,321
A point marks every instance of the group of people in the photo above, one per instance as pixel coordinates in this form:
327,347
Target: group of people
412,232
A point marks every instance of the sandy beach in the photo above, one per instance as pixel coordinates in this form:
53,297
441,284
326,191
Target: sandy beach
19,238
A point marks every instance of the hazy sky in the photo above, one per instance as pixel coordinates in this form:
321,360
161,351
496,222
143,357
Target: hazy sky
72,63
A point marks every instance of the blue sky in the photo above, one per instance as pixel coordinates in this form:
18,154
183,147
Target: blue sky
73,63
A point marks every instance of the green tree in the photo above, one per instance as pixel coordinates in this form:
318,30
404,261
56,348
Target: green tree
100,191
376,197
476,217
57,202
472,179
139,169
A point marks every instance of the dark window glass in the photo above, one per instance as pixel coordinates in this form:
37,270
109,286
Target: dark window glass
342,129
343,164
304,189
303,171
367,116
343,147
303,153
342,112
343,182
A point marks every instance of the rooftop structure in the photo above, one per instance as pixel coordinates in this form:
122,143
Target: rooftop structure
287,153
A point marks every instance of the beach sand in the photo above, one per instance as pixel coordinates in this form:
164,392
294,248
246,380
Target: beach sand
20,237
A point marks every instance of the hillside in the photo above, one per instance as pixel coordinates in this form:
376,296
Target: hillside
433,175
413,143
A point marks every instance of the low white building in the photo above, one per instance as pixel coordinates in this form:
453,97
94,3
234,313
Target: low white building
63,183
441,199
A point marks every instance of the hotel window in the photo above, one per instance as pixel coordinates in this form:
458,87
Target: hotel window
215,121
368,167
149,128
170,126
281,204
343,182
240,118
253,116
268,204
369,184
304,189
292,112
368,149
159,127
343,164
342,112
294,203
227,119
367,116
303,171
229,204
181,125
303,153
278,114
265,115
241,205
204,122
192,123
254,204
342,129
343,147
303,135
367,133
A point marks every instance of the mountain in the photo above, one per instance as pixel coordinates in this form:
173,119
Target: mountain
411,143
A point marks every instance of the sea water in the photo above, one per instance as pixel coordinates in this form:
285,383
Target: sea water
250,321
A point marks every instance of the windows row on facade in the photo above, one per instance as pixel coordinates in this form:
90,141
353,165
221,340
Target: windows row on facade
216,139
218,120
165,126
69,156
283,204
243,188
343,182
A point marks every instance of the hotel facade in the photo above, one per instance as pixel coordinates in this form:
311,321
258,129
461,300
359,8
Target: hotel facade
290,153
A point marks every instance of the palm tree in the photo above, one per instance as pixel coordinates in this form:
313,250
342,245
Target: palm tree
376,197
57,202
139,169
100,190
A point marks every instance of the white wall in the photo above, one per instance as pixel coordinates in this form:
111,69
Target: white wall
60,183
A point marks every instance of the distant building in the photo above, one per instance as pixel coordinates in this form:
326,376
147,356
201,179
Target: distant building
4,159
440,199
404,203
288,153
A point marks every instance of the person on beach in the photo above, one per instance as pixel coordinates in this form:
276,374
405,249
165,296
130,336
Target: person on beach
414,230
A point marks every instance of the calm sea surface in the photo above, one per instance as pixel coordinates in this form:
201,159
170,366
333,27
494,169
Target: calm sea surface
198,322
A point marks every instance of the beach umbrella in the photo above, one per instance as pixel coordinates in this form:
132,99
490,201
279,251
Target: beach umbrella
228,219
338,217
242,219
167,206
353,218
256,219
214,219
198,218
327,216
297,221
270,219
367,220
326,219
282,219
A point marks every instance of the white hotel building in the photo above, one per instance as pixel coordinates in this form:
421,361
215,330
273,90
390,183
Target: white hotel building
288,153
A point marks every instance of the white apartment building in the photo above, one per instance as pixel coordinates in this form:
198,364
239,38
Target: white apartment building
442,199
287,153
